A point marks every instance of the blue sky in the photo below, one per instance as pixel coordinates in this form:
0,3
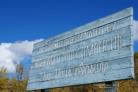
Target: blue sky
34,19
29,20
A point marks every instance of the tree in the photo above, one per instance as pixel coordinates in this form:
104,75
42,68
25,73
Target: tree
3,79
3,72
19,72
136,55
17,84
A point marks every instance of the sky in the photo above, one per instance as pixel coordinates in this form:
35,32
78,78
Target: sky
24,22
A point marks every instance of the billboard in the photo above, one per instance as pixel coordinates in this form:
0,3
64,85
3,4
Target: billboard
99,51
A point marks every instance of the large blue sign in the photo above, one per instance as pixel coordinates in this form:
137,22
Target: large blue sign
99,51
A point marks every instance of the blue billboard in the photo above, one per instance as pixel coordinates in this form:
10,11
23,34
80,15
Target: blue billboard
99,51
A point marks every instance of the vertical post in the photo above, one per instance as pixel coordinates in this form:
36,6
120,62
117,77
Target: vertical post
46,90
111,87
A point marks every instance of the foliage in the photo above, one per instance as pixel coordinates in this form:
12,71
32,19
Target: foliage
11,85
127,86
136,55
17,86
3,72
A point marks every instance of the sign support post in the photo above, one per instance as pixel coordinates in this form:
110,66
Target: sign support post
111,86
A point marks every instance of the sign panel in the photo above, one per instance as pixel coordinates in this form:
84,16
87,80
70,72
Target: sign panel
99,51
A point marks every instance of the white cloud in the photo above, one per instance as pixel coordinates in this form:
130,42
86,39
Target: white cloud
12,53
136,30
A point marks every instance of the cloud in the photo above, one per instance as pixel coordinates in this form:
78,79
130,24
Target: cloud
13,53
135,30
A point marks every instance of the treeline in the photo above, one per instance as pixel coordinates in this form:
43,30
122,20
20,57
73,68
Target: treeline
15,84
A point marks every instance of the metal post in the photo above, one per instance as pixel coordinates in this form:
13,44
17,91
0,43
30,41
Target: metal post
46,90
111,87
